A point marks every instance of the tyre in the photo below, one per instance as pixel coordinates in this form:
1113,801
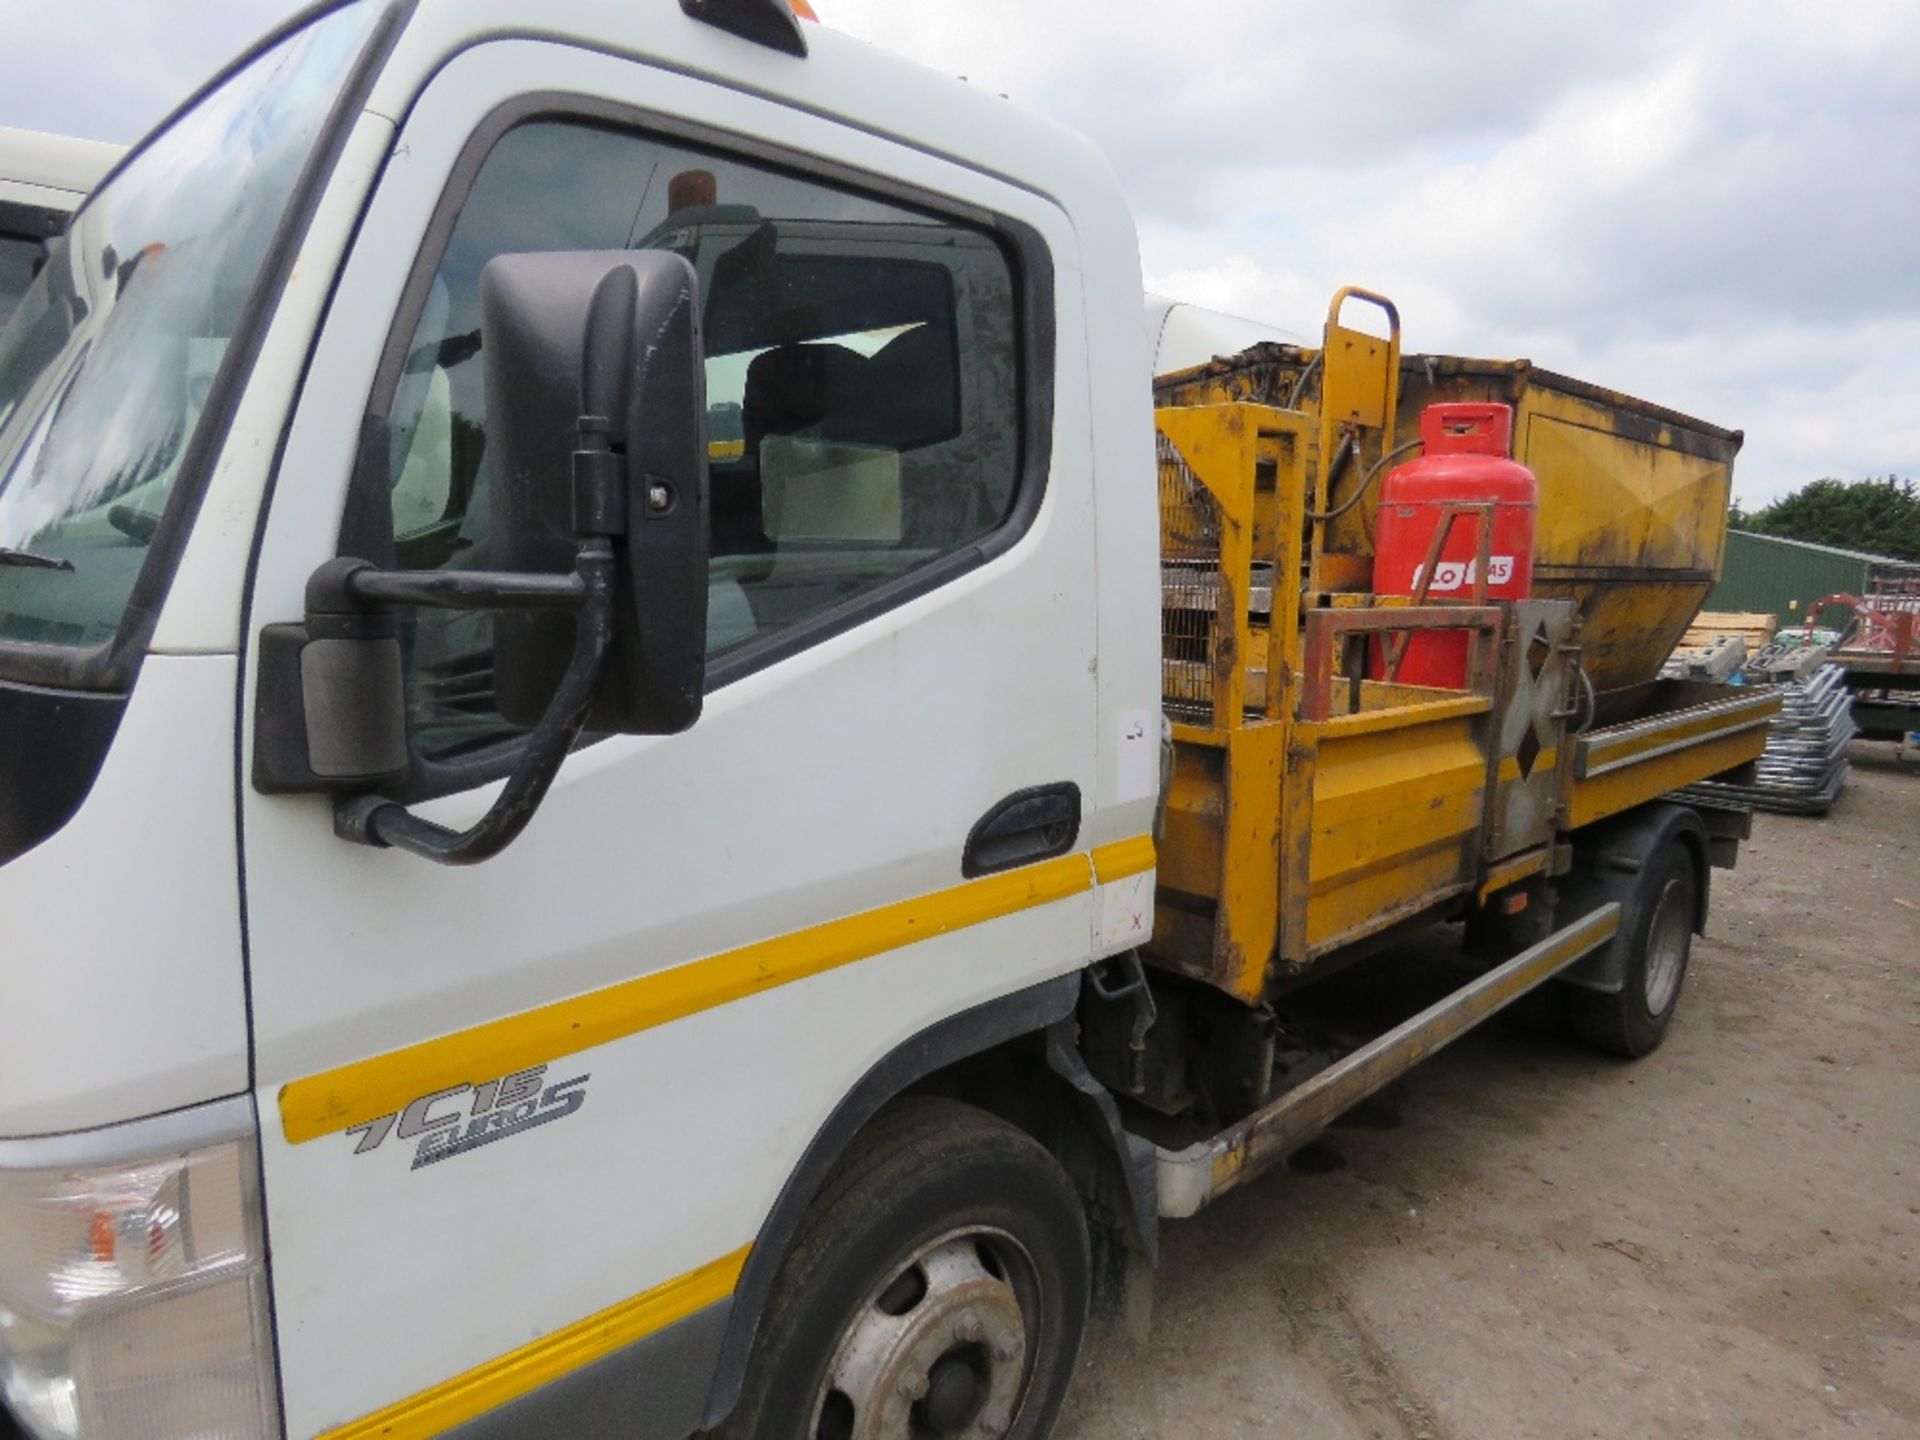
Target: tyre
937,1287
1663,904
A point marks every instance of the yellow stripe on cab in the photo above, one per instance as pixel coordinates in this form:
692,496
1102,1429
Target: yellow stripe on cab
364,1090
519,1372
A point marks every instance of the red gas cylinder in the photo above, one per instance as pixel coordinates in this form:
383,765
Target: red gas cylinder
1466,459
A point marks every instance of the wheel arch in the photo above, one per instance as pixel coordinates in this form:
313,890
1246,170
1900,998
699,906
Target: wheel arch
1609,857
1014,1057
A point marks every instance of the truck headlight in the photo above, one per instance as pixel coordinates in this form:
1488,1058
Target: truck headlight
133,1291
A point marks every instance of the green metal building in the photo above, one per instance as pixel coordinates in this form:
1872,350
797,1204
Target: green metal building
1766,575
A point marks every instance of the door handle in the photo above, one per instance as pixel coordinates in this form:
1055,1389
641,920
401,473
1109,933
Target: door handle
1029,825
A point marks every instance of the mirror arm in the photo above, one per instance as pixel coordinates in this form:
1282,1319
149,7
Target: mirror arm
374,820
467,589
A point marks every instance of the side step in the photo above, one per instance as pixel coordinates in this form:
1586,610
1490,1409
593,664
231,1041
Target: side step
1201,1173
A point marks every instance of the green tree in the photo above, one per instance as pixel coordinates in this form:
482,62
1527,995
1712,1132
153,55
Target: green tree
1880,516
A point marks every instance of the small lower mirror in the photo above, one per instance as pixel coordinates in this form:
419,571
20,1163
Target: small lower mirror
330,712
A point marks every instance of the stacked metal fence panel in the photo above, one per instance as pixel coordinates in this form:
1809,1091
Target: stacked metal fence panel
1805,763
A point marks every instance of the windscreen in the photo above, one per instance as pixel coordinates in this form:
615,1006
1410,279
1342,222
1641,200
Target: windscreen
108,360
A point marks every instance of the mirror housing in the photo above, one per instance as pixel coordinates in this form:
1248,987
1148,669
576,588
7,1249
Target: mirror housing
330,714
614,335
598,483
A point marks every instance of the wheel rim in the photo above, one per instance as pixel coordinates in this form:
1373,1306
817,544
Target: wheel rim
939,1351
1667,943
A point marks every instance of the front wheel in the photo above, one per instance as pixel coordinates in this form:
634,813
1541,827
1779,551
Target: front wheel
1633,1022
937,1288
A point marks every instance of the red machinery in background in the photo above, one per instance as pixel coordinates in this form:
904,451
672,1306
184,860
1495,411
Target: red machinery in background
1886,622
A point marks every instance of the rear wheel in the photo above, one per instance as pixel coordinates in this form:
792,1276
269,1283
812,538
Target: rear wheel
1634,1021
937,1288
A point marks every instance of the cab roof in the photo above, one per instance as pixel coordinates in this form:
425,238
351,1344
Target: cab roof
63,167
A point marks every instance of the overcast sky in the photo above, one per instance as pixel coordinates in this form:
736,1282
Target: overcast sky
1713,204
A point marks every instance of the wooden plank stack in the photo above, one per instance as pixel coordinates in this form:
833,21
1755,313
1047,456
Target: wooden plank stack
1708,626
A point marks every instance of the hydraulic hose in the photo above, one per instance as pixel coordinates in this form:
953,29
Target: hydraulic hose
1593,699
1300,385
1366,483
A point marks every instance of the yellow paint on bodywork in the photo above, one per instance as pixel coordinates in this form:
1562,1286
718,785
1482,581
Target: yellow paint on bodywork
1359,401
1194,841
363,1090
1613,770
1605,750
1439,705
1510,767
1222,848
1512,871
1633,535
1620,790
519,1372
1395,822
1123,858
1250,890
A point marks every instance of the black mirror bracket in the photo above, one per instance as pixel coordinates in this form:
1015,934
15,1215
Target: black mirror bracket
599,513
601,587
588,592
344,667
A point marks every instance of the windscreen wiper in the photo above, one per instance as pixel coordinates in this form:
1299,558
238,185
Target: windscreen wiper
33,561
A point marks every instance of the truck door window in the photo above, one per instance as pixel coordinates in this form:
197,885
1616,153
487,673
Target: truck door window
863,386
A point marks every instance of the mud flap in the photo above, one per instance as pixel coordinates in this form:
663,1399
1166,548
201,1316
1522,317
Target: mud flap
1611,858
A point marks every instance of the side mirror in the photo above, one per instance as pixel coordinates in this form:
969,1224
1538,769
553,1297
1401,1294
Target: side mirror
598,484
613,335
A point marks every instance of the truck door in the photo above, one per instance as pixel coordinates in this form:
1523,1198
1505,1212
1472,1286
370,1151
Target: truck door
653,1000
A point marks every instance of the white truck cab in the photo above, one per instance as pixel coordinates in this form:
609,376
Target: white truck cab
428,1014
43,179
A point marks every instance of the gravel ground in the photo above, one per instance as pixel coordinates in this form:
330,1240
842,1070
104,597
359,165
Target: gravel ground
1525,1239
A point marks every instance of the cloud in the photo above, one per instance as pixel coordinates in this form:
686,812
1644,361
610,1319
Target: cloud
112,69
1706,202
